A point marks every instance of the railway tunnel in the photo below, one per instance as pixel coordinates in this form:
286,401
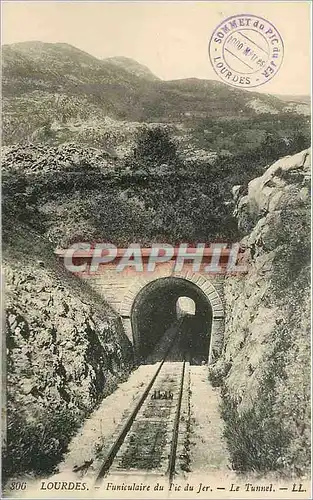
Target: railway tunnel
156,308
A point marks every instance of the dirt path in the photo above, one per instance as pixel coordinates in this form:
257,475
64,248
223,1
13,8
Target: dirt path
208,450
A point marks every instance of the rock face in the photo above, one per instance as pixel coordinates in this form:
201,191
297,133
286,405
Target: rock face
264,371
66,350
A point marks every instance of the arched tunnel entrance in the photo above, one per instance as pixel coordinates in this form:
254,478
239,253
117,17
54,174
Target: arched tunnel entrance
157,307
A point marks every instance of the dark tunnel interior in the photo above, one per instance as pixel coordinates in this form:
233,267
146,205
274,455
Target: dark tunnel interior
155,311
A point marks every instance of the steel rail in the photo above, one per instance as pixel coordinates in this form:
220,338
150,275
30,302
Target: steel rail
172,458
124,431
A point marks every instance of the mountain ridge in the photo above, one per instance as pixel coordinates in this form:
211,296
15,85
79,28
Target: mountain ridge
59,83
60,54
133,66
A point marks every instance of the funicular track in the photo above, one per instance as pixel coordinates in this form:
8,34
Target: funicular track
148,441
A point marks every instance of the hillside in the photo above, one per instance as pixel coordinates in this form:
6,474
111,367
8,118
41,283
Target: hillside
132,67
302,99
159,189
71,193
264,372
57,86
66,350
66,347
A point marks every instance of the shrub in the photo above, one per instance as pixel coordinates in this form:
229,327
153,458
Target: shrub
256,439
154,145
38,444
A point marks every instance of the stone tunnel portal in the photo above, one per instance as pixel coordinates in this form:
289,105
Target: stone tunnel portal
155,310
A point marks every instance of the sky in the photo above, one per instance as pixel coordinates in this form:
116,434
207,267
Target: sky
170,37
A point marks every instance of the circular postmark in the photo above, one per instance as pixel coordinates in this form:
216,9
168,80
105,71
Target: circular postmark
246,50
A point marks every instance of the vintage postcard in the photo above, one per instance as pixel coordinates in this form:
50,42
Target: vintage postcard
156,248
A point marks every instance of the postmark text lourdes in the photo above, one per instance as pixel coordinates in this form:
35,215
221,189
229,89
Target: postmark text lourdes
246,50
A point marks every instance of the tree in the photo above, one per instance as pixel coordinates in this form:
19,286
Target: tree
299,142
155,145
273,147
